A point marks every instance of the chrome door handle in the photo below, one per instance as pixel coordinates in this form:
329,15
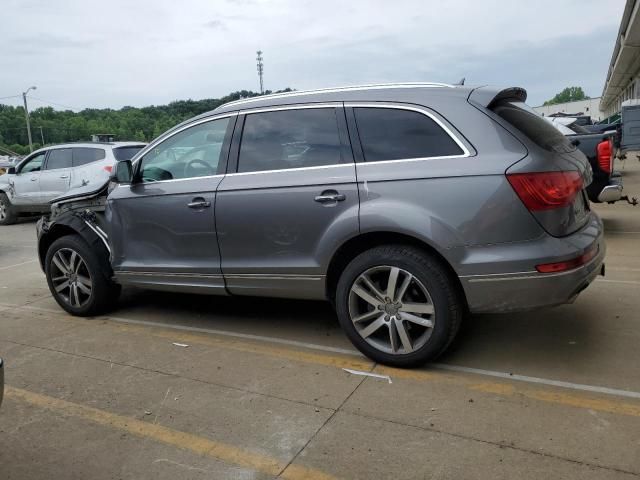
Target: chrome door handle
199,203
333,197
64,176
34,179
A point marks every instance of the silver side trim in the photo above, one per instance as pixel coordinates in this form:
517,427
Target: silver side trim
261,276
101,235
423,111
502,277
348,88
162,274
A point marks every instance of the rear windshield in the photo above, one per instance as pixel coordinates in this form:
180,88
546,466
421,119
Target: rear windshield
126,153
536,128
577,128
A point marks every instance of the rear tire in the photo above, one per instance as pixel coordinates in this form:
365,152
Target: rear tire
398,305
8,214
80,278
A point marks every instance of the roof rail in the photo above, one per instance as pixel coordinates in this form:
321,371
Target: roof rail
319,91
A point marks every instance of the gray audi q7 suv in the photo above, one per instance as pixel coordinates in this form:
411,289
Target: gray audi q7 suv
405,205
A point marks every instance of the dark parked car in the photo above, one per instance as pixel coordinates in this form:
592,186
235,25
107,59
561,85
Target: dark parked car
599,148
406,206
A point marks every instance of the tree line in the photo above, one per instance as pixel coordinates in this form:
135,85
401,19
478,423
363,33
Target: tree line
128,123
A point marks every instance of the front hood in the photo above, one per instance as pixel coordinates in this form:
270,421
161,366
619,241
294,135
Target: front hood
81,193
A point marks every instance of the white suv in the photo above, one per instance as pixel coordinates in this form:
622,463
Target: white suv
52,171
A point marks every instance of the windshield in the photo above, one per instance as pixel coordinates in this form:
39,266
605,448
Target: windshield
126,153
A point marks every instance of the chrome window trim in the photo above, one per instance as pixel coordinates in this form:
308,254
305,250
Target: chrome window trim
297,106
167,136
173,180
348,88
418,109
304,106
297,169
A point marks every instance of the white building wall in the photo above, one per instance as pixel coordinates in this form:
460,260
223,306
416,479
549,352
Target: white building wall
587,107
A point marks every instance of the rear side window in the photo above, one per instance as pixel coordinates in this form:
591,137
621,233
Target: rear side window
289,139
82,156
126,153
59,158
395,134
536,128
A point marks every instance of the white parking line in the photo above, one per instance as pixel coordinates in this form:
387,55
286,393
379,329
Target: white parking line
627,282
17,264
542,381
349,351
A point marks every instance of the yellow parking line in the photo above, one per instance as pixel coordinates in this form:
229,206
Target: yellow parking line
553,396
186,441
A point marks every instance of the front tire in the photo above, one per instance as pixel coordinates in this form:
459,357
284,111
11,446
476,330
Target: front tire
398,305
79,278
8,214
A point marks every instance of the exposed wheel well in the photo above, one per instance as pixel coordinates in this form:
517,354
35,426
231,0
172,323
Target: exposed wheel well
355,246
57,231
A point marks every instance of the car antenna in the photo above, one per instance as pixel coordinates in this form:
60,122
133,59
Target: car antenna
461,82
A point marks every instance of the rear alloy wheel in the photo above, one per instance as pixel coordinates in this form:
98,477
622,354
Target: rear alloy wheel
398,305
79,277
397,320
7,213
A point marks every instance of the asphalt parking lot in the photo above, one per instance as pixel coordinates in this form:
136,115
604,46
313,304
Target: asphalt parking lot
180,386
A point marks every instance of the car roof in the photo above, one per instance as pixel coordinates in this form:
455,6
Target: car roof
90,145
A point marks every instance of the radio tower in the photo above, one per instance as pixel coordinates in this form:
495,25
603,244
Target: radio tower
260,70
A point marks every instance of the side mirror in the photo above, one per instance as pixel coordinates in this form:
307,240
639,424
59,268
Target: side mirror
11,170
122,173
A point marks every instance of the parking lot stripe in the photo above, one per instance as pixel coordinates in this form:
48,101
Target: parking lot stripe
186,441
542,381
625,282
17,264
344,361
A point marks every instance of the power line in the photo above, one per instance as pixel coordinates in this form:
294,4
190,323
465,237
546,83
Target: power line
53,103
10,96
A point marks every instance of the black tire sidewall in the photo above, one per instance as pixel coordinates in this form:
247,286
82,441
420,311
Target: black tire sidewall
431,274
103,290
11,216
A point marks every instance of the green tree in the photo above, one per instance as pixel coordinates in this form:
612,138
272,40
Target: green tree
569,94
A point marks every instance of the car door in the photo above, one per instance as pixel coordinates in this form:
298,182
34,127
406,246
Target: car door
162,226
56,174
290,200
26,182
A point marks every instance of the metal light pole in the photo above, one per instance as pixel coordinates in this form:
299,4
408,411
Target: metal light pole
26,116
42,136
260,69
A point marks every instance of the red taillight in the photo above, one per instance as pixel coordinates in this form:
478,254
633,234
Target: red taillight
568,264
108,168
546,190
605,155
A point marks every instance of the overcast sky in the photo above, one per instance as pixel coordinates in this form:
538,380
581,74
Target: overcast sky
119,52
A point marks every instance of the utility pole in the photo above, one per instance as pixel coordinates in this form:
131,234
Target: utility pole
42,136
26,116
260,70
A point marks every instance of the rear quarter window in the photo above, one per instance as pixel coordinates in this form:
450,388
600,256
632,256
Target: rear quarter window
397,134
533,126
84,155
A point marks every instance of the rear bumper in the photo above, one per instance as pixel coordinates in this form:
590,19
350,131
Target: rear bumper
528,289
611,192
